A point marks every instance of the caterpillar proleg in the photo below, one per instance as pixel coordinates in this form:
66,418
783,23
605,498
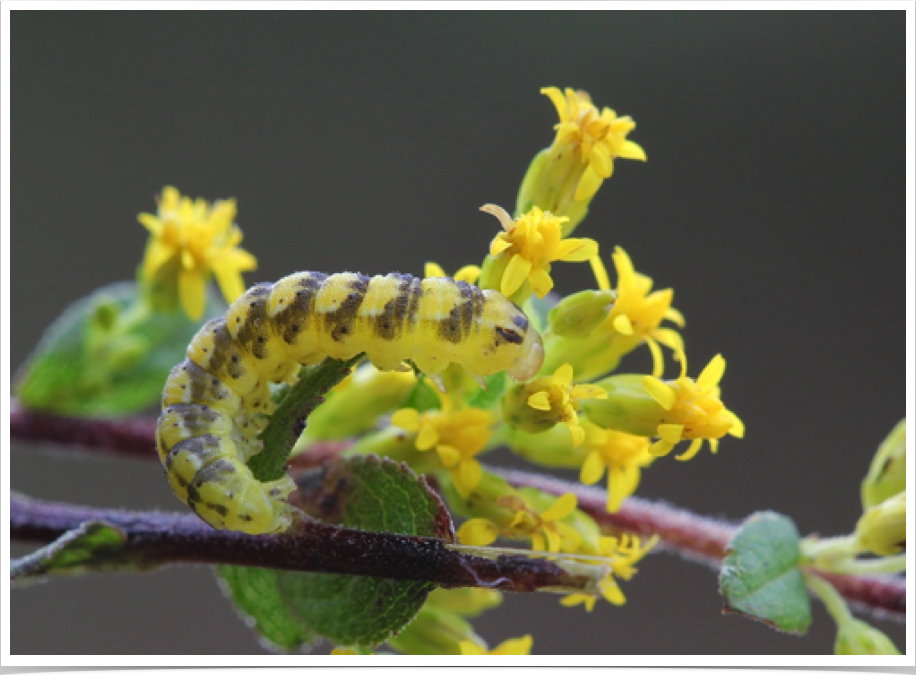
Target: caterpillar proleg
209,423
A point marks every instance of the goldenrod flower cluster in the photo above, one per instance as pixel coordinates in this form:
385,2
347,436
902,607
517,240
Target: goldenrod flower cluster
577,412
190,241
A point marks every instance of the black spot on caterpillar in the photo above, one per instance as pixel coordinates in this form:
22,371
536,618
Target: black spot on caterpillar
214,402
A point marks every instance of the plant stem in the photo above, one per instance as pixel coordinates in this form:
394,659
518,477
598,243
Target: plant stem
695,537
154,539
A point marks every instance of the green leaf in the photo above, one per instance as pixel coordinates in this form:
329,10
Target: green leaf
422,397
760,577
287,421
108,354
289,609
93,545
260,600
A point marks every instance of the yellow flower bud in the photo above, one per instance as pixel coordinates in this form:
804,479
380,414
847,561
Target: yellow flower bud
354,408
543,403
882,529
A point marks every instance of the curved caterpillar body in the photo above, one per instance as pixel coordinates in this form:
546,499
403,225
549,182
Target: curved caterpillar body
210,407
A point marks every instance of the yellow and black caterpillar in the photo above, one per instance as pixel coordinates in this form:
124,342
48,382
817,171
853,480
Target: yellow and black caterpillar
214,401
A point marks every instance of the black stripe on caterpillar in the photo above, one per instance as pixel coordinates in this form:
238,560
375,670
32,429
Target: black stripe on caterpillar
215,402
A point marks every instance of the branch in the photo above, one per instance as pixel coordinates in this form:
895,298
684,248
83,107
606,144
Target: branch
696,537
153,539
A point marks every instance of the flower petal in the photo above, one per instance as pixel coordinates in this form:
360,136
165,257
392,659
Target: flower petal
406,418
470,472
661,392
631,150
576,250
192,289
600,271
515,275
561,508
540,282
588,185
623,325
433,271
478,532
712,373
539,401
449,456
230,282
428,437
592,468
468,273
691,451
559,101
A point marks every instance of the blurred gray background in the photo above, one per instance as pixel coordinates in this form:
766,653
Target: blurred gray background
367,141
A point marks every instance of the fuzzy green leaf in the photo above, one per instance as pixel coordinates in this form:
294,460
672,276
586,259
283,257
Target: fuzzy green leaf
760,577
287,421
105,356
289,609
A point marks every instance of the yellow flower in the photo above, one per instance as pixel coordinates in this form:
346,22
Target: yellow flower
635,317
558,396
637,313
189,240
468,273
692,410
516,646
529,245
543,528
457,436
597,139
622,555
623,455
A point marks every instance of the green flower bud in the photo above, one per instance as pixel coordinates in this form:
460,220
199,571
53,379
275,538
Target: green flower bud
887,474
356,404
550,183
491,272
553,448
577,315
519,414
435,631
396,444
466,602
857,637
628,407
882,529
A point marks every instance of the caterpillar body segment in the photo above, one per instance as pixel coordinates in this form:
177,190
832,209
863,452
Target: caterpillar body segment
216,402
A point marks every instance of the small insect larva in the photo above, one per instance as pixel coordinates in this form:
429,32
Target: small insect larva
215,401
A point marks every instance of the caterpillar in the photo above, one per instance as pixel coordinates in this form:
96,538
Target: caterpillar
215,402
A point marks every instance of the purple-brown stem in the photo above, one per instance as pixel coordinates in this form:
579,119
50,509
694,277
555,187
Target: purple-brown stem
696,537
153,538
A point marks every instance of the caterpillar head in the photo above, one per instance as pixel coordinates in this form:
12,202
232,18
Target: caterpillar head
515,345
